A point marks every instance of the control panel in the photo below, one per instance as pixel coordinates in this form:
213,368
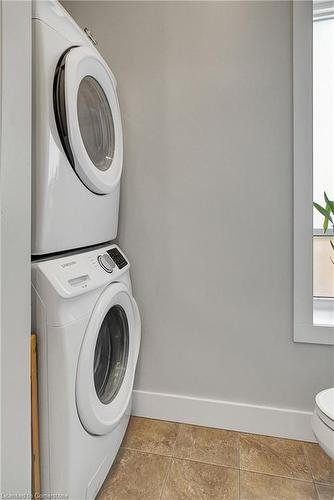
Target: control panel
112,258
76,273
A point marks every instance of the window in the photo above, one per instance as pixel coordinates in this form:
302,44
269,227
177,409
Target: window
313,88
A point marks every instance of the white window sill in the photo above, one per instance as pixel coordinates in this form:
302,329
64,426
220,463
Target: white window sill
323,311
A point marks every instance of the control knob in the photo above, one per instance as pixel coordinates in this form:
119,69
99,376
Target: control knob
106,262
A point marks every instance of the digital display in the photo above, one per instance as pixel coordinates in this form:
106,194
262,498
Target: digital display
117,257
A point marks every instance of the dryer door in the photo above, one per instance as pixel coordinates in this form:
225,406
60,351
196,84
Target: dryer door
88,118
107,360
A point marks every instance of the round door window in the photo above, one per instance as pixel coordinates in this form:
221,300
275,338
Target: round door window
111,354
96,123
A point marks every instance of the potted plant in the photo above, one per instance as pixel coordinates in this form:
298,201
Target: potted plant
328,212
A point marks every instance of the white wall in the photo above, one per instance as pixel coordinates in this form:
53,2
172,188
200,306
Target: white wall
15,55
206,209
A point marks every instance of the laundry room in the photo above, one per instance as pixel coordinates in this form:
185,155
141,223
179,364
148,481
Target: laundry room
167,249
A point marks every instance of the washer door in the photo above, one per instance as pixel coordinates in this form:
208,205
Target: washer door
88,118
107,360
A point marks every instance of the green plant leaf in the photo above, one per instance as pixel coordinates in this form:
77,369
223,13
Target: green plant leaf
323,211
326,220
329,203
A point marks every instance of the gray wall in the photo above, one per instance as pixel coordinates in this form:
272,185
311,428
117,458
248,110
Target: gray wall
15,262
206,209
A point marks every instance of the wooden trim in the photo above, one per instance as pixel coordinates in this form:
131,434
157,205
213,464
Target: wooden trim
36,471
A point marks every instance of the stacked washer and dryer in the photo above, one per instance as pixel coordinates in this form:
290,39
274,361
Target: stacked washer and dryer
83,311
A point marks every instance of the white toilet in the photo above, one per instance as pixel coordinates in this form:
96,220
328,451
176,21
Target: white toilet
323,420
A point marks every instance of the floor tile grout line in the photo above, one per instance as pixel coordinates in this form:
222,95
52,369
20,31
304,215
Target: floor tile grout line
176,438
279,475
239,452
166,477
181,459
308,461
323,483
239,464
214,464
316,491
145,452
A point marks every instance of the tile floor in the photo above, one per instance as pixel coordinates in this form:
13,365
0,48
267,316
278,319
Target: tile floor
169,461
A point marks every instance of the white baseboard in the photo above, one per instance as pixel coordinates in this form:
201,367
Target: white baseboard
267,420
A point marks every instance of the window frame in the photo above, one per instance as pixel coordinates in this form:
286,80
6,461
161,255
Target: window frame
304,329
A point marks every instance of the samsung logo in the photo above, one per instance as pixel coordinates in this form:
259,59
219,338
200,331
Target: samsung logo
67,264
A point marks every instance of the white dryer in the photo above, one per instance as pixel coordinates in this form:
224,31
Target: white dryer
77,136
88,328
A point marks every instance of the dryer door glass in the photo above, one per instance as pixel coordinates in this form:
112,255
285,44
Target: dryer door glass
111,354
96,123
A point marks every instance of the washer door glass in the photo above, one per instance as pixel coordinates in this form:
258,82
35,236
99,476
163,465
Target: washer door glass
111,354
107,360
96,123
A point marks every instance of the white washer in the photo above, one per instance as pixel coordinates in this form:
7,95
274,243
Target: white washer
88,328
77,136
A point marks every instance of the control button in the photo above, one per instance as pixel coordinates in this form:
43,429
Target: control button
106,262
